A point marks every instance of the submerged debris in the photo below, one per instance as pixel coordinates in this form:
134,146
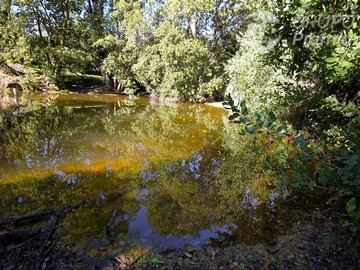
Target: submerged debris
28,242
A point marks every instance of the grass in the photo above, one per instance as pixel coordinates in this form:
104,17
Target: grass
82,79
155,260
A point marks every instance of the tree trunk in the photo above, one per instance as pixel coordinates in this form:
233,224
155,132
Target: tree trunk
109,82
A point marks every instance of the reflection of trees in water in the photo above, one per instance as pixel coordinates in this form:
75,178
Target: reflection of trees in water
41,138
184,209
183,197
106,216
203,191
90,154
166,132
68,155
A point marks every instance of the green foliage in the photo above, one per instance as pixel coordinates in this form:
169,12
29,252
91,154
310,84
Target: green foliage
314,35
251,78
154,260
352,208
52,35
178,67
317,45
118,63
176,50
29,81
304,164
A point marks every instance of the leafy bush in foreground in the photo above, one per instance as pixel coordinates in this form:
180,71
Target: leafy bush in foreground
305,163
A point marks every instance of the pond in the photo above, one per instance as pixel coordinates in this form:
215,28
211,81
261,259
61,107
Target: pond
138,174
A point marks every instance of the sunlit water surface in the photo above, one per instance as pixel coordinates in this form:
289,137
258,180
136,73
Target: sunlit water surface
137,174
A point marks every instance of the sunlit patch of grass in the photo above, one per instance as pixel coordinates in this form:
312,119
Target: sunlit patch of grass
82,79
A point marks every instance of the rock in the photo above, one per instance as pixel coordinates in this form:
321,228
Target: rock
211,252
190,248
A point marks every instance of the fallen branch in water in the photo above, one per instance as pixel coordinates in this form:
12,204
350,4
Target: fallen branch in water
28,234
20,235
34,216
17,235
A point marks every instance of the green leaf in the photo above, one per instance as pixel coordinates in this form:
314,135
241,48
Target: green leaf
331,100
234,116
323,179
251,129
245,120
351,34
345,223
244,108
258,118
353,161
269,121
351,206
331,59
346,64
281,129
302,142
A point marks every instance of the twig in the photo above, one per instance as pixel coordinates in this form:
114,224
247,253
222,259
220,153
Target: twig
27,241
22,234
47,238
37,262
111,222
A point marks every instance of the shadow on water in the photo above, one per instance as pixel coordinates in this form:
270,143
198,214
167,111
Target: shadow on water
143,175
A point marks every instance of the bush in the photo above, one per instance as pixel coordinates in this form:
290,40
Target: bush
307,164
178,67
251,78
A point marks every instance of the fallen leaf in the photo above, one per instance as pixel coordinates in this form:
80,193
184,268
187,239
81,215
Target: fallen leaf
187,254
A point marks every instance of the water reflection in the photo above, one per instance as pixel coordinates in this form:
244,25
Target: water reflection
139,173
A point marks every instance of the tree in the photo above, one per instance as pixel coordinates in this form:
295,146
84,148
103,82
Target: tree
175,49
178,67
319,41
55,35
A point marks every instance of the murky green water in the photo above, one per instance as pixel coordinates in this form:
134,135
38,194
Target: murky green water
139,174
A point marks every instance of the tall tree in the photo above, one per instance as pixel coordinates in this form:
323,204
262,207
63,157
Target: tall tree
54,35
149,39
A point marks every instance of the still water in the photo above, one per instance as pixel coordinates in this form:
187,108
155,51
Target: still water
138,174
